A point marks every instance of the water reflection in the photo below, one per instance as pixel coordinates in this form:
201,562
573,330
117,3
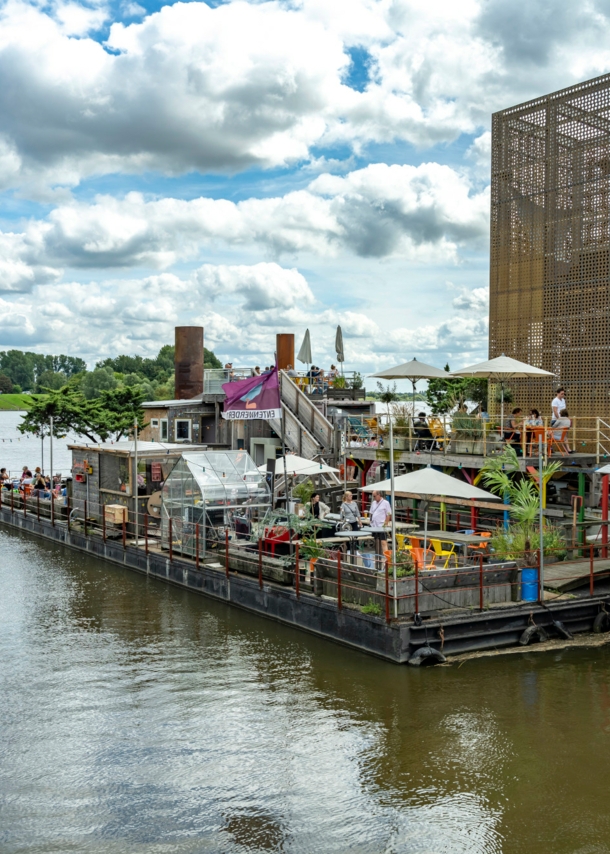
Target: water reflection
138,717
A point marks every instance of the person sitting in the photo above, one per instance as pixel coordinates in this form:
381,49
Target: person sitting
291,371
256,372
559,426
512,428
422,431
4,478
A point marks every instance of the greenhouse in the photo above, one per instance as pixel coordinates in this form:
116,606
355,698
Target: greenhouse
217,491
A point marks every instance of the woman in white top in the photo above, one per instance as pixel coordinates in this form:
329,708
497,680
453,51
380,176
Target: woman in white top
350,512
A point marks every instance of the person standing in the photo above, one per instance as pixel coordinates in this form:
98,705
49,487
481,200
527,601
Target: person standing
380,516
350,512
558,405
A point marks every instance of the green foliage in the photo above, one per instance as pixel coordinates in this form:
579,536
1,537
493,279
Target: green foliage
95,382
387,394
373,608
444,395
310,549
404,564
6,386
501,475
339,382
467,426
106,418
50,379
25,369
358,381
515,543
303,491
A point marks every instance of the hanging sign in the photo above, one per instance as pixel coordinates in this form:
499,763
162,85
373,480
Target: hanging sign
255,397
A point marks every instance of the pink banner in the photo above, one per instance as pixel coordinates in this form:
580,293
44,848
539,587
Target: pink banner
256,397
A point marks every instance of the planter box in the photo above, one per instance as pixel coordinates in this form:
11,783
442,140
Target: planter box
468,446
457,588
273,569
401,443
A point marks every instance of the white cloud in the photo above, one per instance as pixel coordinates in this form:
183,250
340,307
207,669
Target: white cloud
192,87
264,286
420,213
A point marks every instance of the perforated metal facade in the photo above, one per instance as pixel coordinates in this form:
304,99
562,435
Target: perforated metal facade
550,243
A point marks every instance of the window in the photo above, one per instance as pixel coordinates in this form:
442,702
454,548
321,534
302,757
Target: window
114,473
182,429
164,430
154,422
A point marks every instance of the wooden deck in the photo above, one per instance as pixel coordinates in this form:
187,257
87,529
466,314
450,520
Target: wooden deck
571,574
573,462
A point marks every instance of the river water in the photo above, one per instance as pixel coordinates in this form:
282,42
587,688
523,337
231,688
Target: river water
136,717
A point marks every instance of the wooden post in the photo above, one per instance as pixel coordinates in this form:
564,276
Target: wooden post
146,533
297,570
260,563
124,533
85,517
169,527
339,602
481,582
591,575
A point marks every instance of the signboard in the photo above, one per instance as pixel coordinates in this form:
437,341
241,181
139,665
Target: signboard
253,398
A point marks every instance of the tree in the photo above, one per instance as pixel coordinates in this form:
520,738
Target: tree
106,418
51,379
18,366
444,395
95,382
6,385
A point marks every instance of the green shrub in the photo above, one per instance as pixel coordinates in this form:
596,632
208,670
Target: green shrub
371,607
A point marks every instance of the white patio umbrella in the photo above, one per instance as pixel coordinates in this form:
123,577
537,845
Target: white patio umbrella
428,483
296,465
413,371
304,354
501,369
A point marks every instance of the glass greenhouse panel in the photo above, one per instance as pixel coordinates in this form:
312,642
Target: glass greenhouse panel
208,493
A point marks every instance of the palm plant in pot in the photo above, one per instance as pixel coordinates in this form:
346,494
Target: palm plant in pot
501,475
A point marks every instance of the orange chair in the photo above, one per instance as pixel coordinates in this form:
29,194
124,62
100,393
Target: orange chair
533,435
415,542
484,547
418,558
561,444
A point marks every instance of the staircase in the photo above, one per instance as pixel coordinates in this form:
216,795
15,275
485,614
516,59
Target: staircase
307,432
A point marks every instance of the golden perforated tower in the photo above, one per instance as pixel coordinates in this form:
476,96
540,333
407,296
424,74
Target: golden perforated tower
550,243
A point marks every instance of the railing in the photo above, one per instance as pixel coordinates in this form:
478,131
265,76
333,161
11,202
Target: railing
213,378
446,435
362,581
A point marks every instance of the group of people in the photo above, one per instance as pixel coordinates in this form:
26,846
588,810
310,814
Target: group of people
36,484
560,423
380,513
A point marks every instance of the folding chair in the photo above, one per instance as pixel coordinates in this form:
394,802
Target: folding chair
484,547
402,544
418,557
560,444
441,553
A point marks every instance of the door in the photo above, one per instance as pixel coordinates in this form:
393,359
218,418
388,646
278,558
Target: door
208,429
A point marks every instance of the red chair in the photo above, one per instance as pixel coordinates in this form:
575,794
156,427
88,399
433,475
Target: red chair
561,444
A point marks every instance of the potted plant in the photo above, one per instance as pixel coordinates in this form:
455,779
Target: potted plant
311,550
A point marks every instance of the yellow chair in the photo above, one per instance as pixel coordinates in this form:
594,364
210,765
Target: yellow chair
401,543
437,429
441,553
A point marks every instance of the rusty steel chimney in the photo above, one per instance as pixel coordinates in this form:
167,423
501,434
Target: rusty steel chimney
188,362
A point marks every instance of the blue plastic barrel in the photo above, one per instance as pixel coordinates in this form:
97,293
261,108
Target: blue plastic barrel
529,585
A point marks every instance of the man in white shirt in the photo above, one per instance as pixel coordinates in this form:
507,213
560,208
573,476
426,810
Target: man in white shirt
558,405
380,514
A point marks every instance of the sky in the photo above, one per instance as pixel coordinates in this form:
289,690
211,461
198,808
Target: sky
265,166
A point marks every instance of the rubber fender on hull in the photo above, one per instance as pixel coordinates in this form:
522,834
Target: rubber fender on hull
532,632
601,623
426,655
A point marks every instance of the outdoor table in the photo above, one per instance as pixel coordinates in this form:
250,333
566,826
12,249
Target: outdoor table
406,526
352,536
378,542
463,540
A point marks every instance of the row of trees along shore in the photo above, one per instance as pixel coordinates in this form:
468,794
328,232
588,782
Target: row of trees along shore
99,405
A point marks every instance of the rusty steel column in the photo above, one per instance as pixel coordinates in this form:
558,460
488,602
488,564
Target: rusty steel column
188,362
285,350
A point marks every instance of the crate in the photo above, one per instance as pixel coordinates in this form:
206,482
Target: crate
115,514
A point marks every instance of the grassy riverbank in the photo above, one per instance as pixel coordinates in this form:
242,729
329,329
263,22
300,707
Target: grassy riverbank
16,401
